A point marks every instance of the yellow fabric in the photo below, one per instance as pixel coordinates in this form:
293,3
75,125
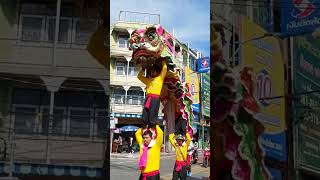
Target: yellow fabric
154,85
153,161
183,148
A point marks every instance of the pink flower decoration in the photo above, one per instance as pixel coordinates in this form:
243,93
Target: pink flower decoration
159,30
140,31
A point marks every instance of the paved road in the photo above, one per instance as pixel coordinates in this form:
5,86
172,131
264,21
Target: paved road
126,169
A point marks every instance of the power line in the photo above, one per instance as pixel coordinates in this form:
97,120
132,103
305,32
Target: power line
280,5
291,95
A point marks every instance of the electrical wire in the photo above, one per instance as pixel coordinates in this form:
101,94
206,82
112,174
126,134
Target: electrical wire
264,1
280,5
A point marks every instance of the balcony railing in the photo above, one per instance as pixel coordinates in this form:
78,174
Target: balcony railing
63,123
39,30
138,17
131,99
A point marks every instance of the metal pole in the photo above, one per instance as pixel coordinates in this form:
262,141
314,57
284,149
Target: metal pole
49,126
164,135
188,55
125,100
56,35
233,42
202,135
294,129
128,65
111,140
11,153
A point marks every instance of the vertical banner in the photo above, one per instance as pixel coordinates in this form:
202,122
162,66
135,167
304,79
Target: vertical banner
306,60
265,59
205,94
193,80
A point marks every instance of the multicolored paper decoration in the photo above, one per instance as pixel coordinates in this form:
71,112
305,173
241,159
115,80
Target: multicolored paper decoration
235,122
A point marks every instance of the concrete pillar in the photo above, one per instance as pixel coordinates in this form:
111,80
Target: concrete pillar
106,86
126,88
130,31
128,58
52,84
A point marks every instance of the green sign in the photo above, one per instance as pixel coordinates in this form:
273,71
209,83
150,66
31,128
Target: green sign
306,108
205,94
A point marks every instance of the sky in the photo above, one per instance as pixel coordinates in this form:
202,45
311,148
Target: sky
190,19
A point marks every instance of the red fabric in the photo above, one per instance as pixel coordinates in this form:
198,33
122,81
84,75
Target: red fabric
179,165
149,98
189,158
152,173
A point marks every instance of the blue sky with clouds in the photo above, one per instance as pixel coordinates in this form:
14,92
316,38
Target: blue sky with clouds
190,19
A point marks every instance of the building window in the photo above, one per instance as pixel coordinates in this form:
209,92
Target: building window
102,120
64,30
233,47
123,42
79,122
83,30
58,121
37,23
74,113
133,70
32,28
135,96
118,96
241,7
25,118
121,68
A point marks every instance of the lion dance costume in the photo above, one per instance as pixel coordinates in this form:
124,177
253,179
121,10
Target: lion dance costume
236,131
153,47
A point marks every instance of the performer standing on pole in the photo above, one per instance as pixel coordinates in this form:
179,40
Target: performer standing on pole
149,163
181,145
153,88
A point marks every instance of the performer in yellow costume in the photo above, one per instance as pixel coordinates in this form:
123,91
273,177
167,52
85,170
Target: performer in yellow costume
153,88
149,163
181,147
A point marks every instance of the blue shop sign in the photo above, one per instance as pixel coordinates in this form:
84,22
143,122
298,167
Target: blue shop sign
298,17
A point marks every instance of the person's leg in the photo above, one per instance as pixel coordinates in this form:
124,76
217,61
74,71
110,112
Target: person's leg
155,177
145,116
175,174
154,110
183,173
140,177
183,126
178,126
189,161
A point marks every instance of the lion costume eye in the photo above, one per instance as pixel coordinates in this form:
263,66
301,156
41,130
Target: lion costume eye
135,38
151,35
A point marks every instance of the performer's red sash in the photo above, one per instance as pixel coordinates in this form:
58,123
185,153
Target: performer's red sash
149,174
179,165
149,97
